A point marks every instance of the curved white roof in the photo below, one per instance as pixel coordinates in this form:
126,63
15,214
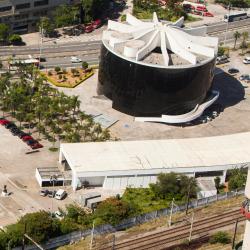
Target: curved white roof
136,40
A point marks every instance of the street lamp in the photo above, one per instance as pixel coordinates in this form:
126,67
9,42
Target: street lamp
229,7
53,179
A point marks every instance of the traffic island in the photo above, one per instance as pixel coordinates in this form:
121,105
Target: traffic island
67,78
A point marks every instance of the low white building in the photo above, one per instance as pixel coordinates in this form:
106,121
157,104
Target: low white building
116,165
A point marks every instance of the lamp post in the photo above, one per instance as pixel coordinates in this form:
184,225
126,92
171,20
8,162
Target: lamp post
53,179
229,7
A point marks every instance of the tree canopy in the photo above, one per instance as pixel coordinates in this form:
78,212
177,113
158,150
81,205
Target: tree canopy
4,32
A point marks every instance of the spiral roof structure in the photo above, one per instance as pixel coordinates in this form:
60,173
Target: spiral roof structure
160,44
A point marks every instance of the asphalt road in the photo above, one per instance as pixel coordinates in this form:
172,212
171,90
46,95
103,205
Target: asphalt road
59,54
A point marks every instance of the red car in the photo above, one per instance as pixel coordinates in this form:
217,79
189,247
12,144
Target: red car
4,122
97,23
201,8
36,145
27,137
89,28
208,14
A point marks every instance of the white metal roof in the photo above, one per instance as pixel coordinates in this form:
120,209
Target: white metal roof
152,154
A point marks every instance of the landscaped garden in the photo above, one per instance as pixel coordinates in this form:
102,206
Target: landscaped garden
68,78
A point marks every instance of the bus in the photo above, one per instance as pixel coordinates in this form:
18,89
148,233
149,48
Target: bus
14,64
235,17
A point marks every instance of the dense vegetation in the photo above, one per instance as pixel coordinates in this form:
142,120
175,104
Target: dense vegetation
237,178
7,38
57,116
41,226
171,11
220,237
159,195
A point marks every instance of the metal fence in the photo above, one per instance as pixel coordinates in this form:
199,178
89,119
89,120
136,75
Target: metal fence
78,235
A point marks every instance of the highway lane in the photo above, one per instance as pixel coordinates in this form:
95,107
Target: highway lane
86,46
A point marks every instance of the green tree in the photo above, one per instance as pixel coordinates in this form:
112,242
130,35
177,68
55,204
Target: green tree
237,178
236,35
85,65
15,39
4,32
113,210
47,25
66,15
173,185
57,69
221,51
217,182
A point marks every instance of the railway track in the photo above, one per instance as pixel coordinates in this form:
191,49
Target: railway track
163,239
229,29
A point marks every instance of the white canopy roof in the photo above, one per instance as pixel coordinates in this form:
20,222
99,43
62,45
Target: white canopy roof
153,154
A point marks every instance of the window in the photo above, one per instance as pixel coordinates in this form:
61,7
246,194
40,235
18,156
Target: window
6,8
23,16
40,13
41,3
22,6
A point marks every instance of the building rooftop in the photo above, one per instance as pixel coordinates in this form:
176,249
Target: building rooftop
153,154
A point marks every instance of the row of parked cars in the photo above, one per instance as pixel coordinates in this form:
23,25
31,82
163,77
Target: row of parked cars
59,194
28,139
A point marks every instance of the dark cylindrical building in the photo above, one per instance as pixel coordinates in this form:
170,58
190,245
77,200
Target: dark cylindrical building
147,86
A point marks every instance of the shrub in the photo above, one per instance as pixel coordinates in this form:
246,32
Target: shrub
73,71
60,77
57,69
221,51
50,73
220,237
64,71
15,39
85,65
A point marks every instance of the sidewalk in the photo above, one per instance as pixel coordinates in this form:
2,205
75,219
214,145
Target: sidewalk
32,39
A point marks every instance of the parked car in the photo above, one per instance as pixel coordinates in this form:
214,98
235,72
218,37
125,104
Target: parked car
27,138
233,71
60,194
201,8
44,192
89,28
4,121
246,60
51,194
22,134
222,59
75,59
31,142
10,125
208,14
244,77
36,145
97,23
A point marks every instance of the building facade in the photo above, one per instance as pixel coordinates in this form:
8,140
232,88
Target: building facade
22,15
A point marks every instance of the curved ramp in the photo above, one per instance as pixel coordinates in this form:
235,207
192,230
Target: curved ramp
187,117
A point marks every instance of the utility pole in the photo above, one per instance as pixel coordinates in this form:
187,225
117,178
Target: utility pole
235,231
188,195
40,43
113,242
92,235
229,7
171,212
191,228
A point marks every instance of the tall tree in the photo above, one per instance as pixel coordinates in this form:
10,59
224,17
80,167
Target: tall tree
4,32
236,35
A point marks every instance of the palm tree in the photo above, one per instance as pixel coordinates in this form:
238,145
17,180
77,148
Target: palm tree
236,35
245,36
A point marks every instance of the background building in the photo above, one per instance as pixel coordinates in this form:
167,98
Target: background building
22,15
152,69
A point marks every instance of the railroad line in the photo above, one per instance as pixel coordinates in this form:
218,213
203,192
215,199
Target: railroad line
163,239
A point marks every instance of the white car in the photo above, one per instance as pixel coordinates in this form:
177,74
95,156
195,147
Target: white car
246,60
60,194
75,59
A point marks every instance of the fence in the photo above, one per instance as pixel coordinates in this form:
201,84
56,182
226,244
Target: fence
78,235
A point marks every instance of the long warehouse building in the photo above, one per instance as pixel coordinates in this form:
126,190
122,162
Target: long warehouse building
116,165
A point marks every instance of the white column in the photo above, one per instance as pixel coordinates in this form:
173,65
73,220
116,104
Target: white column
246,241
223,177
74,181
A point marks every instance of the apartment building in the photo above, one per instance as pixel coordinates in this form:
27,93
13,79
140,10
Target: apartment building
22,15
